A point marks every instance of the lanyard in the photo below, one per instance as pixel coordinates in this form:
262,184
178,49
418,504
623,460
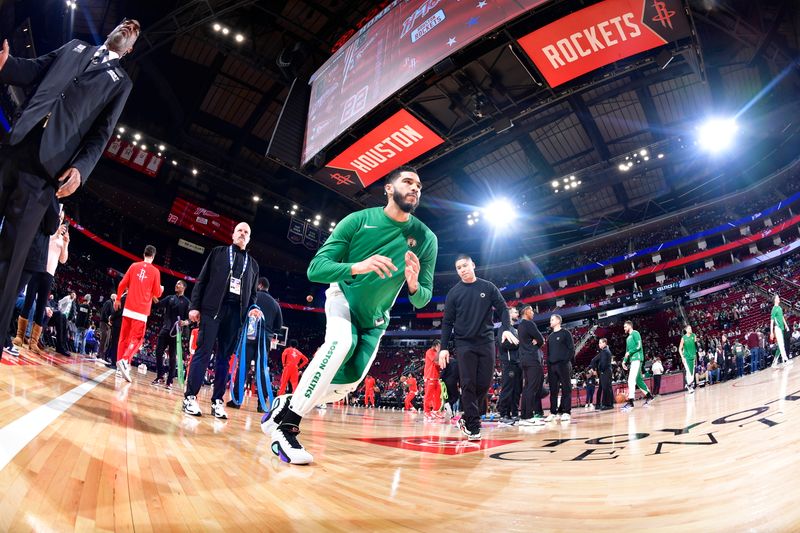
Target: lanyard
230,259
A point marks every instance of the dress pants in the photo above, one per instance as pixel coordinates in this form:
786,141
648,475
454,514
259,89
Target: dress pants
25,194
224,331
606,394
560,376
103,334
166,342
511,389
475,369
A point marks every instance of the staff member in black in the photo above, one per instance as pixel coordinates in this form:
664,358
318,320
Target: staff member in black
602,363
77,95
104,328
560,353
530,358
511,388
272,323
176,309
468,317
225,290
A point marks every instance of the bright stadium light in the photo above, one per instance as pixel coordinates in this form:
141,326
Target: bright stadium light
717,134
500,212
554,183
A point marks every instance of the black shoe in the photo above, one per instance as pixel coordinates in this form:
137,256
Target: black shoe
157,381
233,405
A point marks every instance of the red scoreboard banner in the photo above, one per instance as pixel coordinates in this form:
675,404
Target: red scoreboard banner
133,157
394,143
200,220
603,33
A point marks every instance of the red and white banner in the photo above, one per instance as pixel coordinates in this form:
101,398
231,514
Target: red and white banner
129,155
201,220
602,34
395,142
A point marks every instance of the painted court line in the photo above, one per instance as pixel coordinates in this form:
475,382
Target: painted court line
19,433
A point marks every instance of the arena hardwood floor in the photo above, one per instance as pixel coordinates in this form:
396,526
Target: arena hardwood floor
118,456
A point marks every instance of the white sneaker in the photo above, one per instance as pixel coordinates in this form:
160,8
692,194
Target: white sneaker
550,417
124,370
565,417
191,407
528,422
279,404
286,446
448,409
218,410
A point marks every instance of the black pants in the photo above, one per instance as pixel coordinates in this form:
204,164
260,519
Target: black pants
533,380
103,335
60,323
560,376
511,389
605,396
475,369
113,342
38,290
450,377
25,194
656,384
224,330
166,341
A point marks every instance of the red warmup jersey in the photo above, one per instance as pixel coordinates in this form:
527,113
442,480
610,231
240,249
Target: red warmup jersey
412,385
369,384
143,282
293,357
432,364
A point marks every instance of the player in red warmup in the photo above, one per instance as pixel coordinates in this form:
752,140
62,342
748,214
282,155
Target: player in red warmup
411,383
369,391
293,360
432,401
143,283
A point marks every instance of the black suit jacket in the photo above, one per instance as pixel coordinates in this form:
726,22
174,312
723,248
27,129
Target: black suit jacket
84,105
212,284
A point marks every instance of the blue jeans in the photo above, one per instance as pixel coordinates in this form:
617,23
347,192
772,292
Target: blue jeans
80,340
740,366
713,376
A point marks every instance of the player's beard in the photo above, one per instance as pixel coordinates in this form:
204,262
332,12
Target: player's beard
117,41
400,199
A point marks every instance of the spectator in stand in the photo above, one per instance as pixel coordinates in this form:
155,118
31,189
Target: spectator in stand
90,341
658,370
755,352
739,352
104,328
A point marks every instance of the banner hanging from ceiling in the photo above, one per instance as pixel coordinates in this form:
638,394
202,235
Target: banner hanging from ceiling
395,142
602,34
201,220
134,157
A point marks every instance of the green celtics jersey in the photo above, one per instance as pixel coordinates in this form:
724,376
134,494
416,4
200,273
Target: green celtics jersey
366,233
633,345
690,346
777,316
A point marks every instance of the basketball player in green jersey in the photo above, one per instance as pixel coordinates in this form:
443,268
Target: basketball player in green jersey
688,350
635,353
361,260
777,329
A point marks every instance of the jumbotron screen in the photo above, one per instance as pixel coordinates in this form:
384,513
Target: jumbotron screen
403,41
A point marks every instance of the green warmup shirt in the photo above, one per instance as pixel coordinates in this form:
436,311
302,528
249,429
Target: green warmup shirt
690,346
366,233
777,316
633,345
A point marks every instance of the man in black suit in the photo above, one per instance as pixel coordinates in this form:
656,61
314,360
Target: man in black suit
77,95
602,363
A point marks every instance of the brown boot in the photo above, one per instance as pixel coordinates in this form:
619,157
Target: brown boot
33,346
22,327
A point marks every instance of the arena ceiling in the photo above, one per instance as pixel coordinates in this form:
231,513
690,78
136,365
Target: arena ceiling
217,101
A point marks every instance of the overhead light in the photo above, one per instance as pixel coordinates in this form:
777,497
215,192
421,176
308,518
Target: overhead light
623,167
333,224
661,156
642,152
135,143
316,222
500,212
121,129
717,134
119,136
572,178
566,180
308,220
556,190
174,163
225,31
318,217
647,158
256,198
239,37
294,206
567,186
137,136
144,147
194,171
217,26
293,212
275,207
554,183
161,147
579,182
470,222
